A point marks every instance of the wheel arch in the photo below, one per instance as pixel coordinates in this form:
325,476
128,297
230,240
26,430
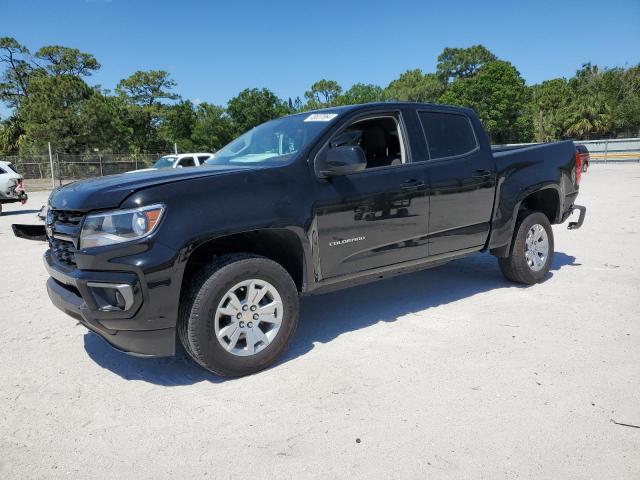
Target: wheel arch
545,199
281,245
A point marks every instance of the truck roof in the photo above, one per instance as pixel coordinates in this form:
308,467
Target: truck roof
361,106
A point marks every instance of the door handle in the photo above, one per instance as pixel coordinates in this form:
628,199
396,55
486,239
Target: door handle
482,173
412,184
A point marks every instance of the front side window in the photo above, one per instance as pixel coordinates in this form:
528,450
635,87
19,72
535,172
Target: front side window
447,134
379,138
275,142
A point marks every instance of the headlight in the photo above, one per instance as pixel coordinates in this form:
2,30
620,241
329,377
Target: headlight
119,226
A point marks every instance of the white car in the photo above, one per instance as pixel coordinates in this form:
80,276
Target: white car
11,186
178,161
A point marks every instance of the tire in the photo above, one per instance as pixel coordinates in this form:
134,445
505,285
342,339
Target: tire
517,266
201,323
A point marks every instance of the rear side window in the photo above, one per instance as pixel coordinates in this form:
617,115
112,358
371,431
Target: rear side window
187,162
448,134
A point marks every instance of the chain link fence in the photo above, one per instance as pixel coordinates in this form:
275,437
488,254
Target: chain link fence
36,169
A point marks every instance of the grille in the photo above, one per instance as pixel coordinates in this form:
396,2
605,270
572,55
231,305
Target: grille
63,251
65,229
66,217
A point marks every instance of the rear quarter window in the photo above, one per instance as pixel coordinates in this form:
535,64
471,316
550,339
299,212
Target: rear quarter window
448,134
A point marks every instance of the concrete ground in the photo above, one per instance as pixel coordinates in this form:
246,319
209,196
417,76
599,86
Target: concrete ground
447,373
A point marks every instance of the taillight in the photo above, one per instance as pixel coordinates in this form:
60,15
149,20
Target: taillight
578,168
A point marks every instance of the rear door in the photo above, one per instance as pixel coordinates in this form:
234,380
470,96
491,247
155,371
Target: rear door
376,217
462,180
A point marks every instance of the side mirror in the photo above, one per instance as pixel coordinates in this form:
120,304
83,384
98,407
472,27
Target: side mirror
340,161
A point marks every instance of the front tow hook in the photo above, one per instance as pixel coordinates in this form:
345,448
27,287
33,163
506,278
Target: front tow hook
578,224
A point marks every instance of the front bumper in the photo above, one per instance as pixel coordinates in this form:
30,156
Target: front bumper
75,292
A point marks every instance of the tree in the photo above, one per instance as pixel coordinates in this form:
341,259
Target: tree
213,128
457,63
626,112
147,93
362,93
148,88
322,94
67,61
498,94
590,111
587,116
177,125
252,107
105,123
552,101
414,86
14,83
51,113
10,133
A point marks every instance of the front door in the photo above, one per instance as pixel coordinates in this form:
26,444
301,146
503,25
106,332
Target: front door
376,217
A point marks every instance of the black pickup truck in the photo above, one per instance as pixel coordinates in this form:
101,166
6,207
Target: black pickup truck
217,256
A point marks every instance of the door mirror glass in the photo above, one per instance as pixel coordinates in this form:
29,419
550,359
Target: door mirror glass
340,161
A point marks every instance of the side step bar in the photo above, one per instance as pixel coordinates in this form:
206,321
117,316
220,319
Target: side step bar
578,224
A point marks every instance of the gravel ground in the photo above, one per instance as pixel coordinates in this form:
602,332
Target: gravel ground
446,373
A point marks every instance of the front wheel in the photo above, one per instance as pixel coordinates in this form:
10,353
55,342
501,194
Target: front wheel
531,252
239,314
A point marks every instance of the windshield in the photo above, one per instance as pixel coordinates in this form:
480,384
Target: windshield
164,162
274,142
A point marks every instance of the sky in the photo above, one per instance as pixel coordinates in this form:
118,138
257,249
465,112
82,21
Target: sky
215,49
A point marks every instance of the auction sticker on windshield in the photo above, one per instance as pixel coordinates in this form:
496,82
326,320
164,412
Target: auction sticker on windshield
321,117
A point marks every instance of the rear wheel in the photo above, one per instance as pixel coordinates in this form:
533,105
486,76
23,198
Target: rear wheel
239,314
531,251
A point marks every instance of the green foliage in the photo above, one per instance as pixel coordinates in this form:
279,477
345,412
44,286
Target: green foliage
213,128
362,93
52,113
67,61
414,86
322,94
18,69
552,101
202,128
498,94
106,123
10,133
254,106
458,63
147,88
147,94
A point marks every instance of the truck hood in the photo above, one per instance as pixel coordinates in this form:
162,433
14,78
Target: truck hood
110,191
